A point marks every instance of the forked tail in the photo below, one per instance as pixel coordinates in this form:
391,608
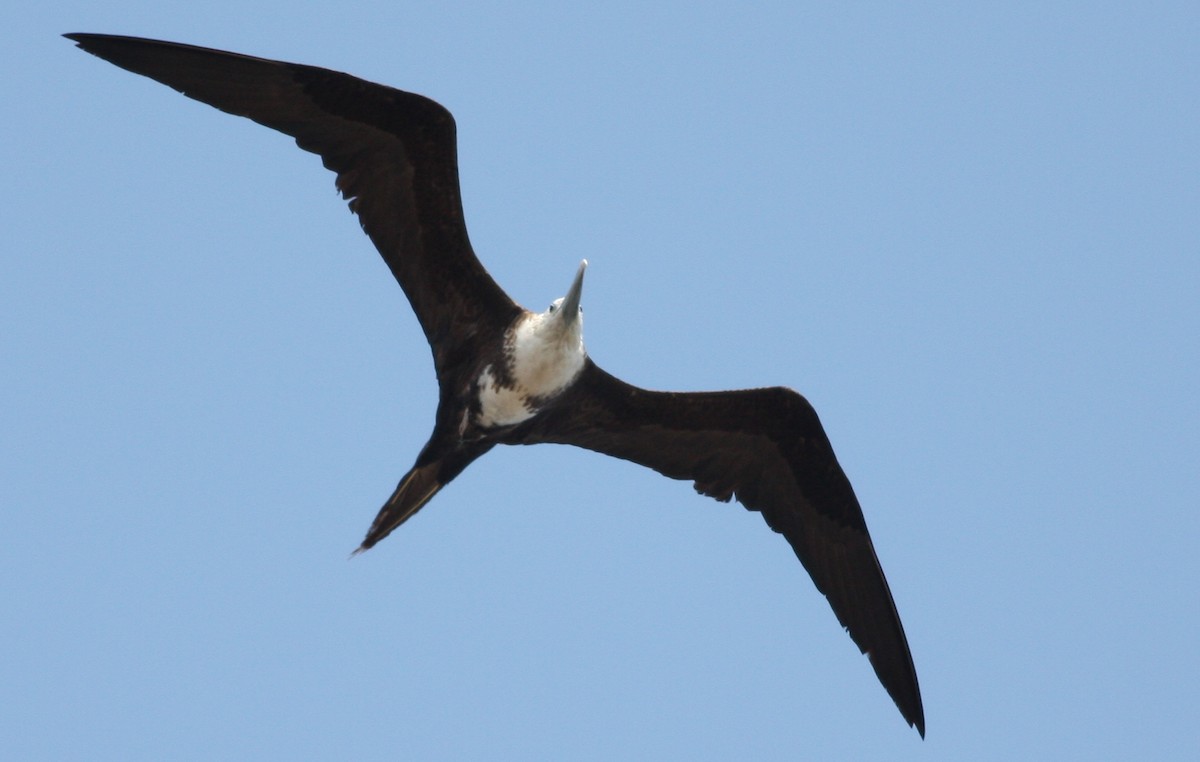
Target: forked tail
413,492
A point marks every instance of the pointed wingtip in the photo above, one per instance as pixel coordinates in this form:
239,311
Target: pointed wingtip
80,38
917,718
913,713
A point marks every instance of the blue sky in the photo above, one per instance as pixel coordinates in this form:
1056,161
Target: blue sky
969,235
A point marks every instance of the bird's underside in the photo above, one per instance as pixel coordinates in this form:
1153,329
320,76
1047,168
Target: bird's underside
509,376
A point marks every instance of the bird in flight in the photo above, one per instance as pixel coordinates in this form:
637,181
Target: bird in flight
510,376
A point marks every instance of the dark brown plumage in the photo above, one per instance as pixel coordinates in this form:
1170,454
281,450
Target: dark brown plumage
394,154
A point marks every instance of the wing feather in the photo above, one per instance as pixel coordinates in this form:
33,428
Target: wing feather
767,449
395,155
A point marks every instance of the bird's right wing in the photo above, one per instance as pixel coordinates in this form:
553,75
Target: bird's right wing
394,153
767,448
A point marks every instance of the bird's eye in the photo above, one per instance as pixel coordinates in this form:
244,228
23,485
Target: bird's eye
554,308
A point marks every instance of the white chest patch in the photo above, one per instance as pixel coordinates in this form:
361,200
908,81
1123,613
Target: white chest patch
544,362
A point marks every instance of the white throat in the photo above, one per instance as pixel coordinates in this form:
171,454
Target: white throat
544,357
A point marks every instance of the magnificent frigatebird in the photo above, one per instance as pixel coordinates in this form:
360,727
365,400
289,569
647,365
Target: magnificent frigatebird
510,376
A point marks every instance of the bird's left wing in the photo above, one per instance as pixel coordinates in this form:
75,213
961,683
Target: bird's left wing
395,155
767,448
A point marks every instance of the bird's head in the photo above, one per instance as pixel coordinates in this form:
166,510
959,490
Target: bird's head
565,314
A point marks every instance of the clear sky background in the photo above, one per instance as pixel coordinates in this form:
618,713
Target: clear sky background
969,233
